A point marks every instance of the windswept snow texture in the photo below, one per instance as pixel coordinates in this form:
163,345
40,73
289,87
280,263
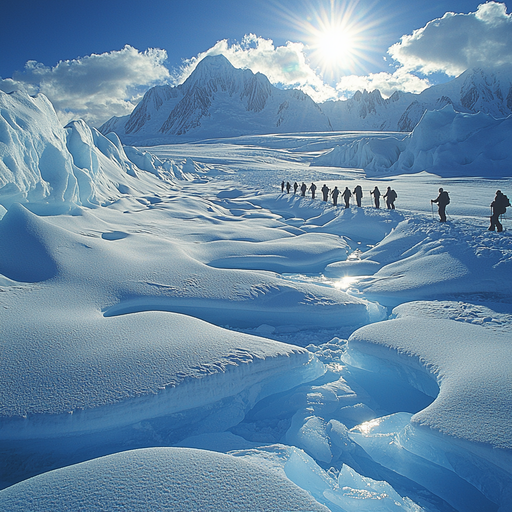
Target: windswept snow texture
444,142
172,325
178,479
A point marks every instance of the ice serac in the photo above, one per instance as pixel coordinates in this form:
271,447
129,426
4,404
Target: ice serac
444,142
59,168
218,99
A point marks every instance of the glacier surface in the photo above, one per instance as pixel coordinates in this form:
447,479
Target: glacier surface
173,325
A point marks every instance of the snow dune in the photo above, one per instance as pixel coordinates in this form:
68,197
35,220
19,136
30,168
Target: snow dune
423,259
166,479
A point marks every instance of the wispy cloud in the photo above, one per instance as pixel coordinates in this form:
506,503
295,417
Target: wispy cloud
94,87
456,42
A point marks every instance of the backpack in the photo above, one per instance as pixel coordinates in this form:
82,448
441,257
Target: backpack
446,198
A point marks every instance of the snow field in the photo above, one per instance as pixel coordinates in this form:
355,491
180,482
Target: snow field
143,297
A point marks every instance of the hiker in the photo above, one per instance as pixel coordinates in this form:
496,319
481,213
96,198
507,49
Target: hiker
313,189
325,192
303,189
442,200
376,196
295,187
282,187
335,193
358,192
288,186
346,196
498,207
390,197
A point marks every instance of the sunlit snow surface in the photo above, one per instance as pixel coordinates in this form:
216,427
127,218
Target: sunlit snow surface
176,299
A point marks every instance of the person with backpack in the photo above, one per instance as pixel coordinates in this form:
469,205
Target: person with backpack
325,192
498,207
346,196
442,200
358,192
335,193
303,189
390,197
376,196
295,187
288,186
313,190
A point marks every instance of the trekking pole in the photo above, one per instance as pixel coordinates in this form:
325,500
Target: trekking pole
432,210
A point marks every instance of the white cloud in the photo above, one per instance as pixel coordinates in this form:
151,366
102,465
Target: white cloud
457,42
283,65
94,87
386,83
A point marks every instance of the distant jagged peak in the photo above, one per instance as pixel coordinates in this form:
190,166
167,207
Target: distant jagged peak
364,95
218,70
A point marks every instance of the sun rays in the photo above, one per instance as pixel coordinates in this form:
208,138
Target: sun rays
339,37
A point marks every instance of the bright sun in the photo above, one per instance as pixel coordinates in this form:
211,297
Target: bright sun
335,46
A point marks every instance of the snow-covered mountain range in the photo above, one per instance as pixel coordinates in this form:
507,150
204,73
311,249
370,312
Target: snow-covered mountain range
219,100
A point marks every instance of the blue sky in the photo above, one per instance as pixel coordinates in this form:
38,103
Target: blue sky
95,58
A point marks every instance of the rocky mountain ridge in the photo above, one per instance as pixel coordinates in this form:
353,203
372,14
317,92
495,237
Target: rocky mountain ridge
219,100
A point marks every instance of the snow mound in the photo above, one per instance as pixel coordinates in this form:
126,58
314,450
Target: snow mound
460,358
444,142
305,253
424,259
183,363
158,479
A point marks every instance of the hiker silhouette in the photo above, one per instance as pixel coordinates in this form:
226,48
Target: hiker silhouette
376,196
442,200
498,207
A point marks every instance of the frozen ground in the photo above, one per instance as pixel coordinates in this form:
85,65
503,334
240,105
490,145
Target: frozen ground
176,333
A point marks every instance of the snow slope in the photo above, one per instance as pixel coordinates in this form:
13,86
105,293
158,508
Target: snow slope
167,479
420,259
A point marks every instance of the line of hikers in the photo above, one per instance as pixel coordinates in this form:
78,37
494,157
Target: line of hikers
498,206
390,195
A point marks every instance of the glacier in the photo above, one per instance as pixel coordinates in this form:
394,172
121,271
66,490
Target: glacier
446,142
176,332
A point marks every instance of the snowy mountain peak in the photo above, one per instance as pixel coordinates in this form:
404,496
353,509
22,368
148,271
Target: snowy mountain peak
218,100
488,91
